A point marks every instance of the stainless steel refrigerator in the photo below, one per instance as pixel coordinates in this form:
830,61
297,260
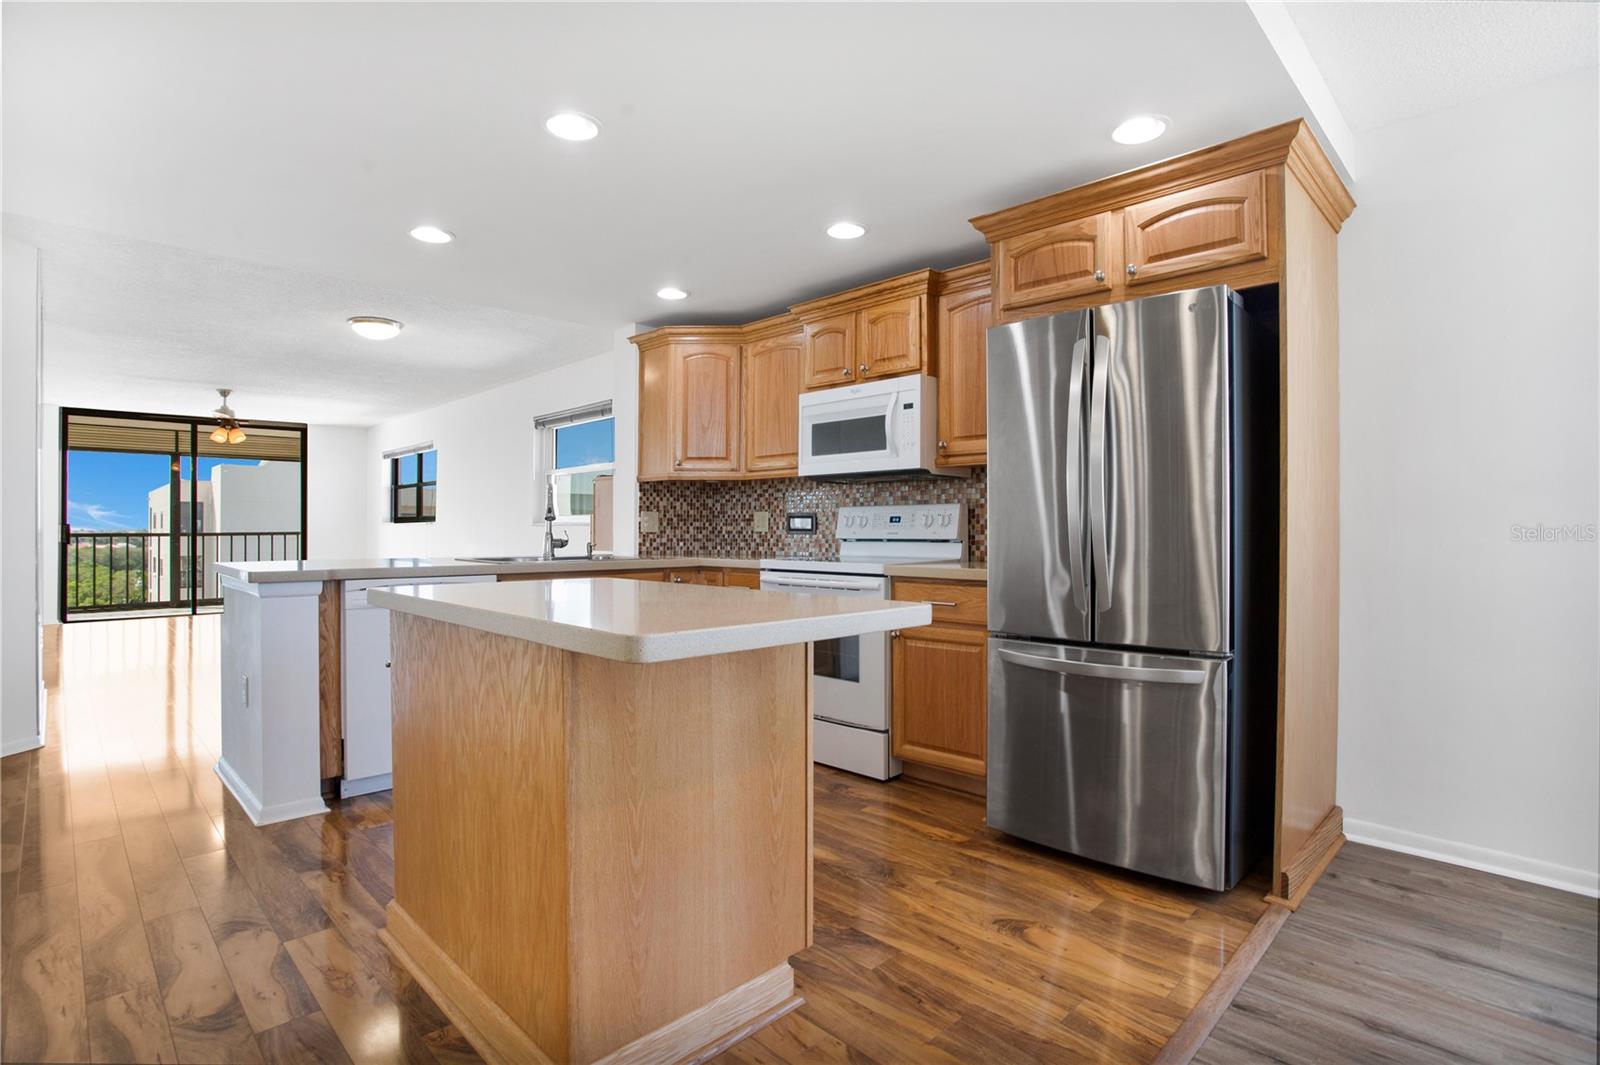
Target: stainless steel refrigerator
1133,487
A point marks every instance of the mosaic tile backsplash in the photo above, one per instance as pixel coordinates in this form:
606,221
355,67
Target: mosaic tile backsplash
714,517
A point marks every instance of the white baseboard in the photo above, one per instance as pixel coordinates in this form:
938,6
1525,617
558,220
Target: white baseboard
266,815
26,743
1501,863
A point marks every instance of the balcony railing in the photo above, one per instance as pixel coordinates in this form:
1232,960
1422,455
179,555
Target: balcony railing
134,570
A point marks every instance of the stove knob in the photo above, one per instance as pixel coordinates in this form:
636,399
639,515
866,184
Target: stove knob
944,519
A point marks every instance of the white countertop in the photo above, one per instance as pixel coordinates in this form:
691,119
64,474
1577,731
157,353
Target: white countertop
370,569
648,621
938,571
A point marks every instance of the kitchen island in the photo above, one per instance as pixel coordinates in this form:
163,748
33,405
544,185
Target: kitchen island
602,798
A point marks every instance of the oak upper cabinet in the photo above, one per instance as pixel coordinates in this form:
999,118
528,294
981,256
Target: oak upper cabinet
705,403
1221,223
772,373
655,412
877,330
830,351
1073,258
965,313
939,684
890,340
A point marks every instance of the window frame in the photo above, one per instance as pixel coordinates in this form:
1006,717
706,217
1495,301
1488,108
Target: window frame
396,484
551,471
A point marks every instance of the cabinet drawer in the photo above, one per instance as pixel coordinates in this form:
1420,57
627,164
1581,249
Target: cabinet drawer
960,603
1217,224
741,578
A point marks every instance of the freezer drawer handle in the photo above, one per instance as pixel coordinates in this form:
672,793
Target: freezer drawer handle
1098,669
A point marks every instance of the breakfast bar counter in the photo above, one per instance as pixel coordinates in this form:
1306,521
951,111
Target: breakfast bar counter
602,807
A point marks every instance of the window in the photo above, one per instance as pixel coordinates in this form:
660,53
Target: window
412,485
580,452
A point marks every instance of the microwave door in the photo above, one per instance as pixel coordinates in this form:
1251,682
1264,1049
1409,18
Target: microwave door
846,435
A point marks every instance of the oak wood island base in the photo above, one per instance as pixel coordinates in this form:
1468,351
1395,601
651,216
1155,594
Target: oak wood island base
599,859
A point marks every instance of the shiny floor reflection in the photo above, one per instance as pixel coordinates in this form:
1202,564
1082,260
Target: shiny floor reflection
145,919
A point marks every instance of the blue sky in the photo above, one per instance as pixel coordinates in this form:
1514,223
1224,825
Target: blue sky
111,490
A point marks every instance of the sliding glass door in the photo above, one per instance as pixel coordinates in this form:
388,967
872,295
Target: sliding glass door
151,504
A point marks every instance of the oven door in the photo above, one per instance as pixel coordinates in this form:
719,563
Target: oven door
853,430
850,675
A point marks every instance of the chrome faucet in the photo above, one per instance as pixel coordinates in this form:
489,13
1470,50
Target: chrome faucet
550,541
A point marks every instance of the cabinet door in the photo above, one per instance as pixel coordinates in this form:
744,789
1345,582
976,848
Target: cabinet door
1218,224
890,340
772,369
964,320
830,351
655,413
940,687
1067,259
705,398
741,578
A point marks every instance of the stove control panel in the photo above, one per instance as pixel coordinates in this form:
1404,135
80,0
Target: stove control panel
919,521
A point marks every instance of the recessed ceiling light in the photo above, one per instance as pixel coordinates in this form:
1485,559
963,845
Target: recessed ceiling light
670,293
375,328
846,230
572,126
432,235
1140,129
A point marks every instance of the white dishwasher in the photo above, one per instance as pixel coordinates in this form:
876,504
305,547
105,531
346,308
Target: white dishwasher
366,724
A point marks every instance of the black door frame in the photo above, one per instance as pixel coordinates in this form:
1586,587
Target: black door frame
64,531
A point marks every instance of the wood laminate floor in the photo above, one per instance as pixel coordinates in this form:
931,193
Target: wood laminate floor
1395,958
145,919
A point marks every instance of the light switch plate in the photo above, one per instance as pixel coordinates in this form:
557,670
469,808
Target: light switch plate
760,520
649,521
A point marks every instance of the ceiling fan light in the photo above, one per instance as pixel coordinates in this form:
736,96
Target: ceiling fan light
219,435
236,435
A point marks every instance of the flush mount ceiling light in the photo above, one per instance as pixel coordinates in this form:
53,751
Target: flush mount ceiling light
846,230
227,430
670,293
375,328
572,126
1140,129
432,235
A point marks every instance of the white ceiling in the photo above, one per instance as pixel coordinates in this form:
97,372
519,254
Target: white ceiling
308,138
1384,62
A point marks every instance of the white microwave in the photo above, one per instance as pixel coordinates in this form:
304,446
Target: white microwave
875,427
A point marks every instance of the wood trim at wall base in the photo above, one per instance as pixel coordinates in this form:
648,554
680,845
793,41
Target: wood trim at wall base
1310,861
492,1033
945,778
1196,1028
707,1031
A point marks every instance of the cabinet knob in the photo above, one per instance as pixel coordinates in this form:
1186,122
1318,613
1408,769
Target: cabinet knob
894,634
1132,269
845,371
678,463
1099,275
862,367
943,444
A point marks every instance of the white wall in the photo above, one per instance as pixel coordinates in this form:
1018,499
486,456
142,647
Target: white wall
1469,701
20,703
489,501
336,492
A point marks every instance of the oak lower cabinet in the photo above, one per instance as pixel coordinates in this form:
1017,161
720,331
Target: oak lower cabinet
939,682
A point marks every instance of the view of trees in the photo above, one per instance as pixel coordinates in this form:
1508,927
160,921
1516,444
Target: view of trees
105,570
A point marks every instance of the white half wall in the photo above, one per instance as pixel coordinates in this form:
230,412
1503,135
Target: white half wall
336,491
1470,400
21,726
489,501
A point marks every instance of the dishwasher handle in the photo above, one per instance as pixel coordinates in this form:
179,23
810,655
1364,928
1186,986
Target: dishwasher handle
1104,670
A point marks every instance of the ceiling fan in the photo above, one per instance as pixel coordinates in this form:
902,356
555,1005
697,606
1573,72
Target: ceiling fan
227,430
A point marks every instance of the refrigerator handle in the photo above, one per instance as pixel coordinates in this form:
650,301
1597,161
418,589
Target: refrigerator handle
1075,560
1098,537
1104,670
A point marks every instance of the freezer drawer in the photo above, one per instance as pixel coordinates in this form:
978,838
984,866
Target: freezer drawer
1117,757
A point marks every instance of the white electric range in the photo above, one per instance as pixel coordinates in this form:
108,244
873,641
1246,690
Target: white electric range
850,683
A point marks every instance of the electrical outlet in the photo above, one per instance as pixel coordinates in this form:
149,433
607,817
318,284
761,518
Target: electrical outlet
649,521
760,520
